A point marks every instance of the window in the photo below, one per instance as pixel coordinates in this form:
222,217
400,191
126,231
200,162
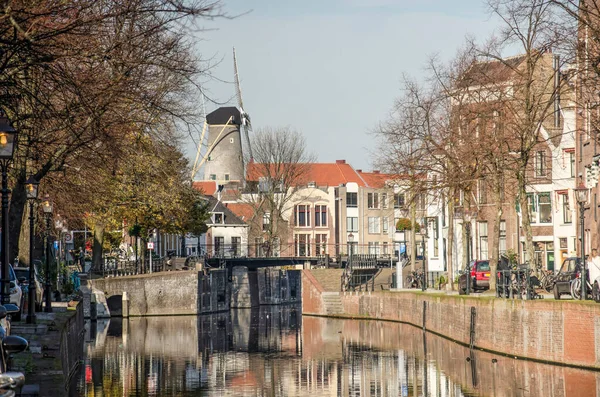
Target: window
266,221
258,246
563,242
373,200
420,201
230,140
373,247
384,201
572,164
482,192
218,218
483,240
396,220
567,216
276,247
302,245
399,200
374,225
532,207
213,177
302,215
545,208
320,244
352,224
226,177
502,242
386,248
219,246
236,246
386,225
351,200
436,247
540,163
320,215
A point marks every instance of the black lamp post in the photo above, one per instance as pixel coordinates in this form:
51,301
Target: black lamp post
31,187
8,139
47,207
468,278
581,193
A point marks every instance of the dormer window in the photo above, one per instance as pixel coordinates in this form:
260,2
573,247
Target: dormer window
312,184
218,218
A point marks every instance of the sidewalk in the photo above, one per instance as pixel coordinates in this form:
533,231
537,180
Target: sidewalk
41,363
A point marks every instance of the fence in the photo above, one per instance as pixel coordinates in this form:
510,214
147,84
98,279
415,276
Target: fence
516,283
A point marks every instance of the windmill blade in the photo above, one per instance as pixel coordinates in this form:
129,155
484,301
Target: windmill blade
238,89
245,117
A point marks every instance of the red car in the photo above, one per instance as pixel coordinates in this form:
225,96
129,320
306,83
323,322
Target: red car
479,277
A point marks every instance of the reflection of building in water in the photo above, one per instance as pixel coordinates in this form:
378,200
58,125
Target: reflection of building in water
276,352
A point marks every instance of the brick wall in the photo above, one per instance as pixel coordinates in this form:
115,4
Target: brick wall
557,331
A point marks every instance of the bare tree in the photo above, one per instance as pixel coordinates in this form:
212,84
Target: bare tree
278,170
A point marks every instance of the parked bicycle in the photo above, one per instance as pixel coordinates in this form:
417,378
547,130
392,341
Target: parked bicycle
415,279
576,287
547,278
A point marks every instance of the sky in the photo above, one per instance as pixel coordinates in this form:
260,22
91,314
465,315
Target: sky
330,69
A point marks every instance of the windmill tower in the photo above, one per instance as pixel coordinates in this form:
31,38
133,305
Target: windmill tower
227,128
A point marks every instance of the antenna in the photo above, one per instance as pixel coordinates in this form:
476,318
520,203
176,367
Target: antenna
245,117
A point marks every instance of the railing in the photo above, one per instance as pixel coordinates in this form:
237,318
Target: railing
358,282
516,283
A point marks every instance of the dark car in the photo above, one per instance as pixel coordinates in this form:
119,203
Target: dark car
479,277
568,271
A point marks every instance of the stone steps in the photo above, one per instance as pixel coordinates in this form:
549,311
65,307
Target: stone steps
329,279
332,302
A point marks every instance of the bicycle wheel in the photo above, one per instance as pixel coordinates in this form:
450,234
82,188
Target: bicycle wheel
576,288
408,282
549,283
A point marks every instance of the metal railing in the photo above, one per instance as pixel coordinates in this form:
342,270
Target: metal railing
358,282
516,283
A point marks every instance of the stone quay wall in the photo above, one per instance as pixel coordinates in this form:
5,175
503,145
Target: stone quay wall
564,332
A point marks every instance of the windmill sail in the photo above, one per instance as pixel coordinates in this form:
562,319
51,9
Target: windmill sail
246,125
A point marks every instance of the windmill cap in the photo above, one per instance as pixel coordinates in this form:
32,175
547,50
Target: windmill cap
222,115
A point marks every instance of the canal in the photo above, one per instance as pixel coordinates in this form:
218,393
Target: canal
275,351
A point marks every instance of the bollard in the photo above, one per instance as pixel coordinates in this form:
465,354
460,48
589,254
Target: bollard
125,305
93,307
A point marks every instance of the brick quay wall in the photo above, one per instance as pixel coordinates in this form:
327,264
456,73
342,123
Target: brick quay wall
562,332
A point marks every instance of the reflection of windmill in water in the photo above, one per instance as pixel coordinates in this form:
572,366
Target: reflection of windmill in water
223,160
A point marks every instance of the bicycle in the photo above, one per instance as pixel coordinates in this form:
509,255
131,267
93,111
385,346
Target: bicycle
547,279
415,279
576,288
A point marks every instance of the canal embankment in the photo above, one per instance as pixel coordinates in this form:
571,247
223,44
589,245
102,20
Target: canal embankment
560,332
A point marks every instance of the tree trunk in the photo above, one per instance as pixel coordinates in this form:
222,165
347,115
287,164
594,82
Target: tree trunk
16,211
525,218
450,285
97,247
413,231
495,241
23,245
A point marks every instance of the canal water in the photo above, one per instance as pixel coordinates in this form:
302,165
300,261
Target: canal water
275,351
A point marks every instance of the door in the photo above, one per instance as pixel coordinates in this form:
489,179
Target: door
550,260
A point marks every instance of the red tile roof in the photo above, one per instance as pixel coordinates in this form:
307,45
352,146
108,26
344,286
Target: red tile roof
323,174
243,211
375,179
206,187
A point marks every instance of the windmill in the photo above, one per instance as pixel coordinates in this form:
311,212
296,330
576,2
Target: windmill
223,160
246,124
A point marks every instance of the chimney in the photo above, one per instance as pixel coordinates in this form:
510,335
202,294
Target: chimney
358,170
556,66
340,161
376,171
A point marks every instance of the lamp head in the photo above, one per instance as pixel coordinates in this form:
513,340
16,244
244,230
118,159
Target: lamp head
8,138
582,193
31,188
47,205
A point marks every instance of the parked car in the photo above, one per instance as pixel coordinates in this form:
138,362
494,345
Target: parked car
22,274
16,294
568,271
479,277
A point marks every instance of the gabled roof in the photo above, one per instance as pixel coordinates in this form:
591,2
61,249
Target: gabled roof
230,218
375,179
322,174
489,72
207,187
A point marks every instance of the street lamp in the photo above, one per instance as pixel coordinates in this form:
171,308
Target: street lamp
350,248
8,139
581,193
47,207
31,188
423,236
468,276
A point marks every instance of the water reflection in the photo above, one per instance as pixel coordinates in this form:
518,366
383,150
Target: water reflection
275,351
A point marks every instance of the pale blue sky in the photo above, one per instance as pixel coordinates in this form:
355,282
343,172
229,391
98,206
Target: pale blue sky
332,68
